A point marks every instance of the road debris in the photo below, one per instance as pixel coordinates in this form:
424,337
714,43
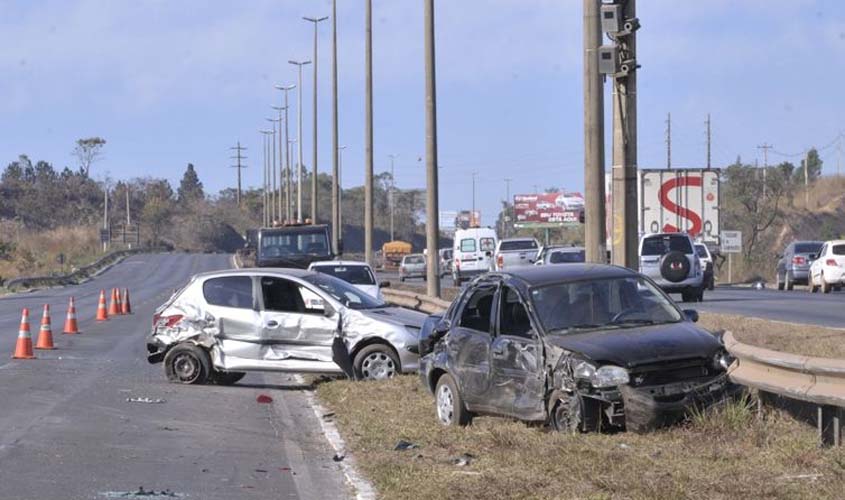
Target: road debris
404,445
463,460
338,457
149,401
152,494
264,399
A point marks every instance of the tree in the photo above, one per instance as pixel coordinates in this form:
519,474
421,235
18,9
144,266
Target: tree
87,151
814,170
190,188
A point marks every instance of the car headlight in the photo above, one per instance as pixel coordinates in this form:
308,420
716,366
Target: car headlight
584,371
722,361
600,378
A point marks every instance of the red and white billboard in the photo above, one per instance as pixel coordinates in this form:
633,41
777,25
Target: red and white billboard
547,209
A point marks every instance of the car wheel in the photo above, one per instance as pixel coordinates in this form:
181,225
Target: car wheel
227,378
686,296
700,295
449,404
568,415
789,284
825,285
711,285
812,283
187,364
779,282
375,362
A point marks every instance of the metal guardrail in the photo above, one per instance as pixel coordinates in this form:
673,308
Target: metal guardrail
416,301
816,381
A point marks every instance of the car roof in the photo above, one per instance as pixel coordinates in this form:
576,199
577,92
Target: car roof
531,276
414,255
322,263
664,235
252,271
566,249
518,239
835,242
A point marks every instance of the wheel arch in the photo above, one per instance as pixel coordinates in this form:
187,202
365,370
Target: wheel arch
376,341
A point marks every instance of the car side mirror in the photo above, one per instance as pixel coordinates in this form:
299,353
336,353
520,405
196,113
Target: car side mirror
384,284
442,327
691,315
328,310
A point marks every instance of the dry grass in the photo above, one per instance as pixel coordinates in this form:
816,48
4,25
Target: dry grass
724,453
786,337
35,253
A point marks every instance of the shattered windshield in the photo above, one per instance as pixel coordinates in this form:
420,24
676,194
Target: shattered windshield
605,303
343,292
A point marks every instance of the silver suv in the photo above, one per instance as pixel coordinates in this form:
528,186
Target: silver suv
793,267
671,261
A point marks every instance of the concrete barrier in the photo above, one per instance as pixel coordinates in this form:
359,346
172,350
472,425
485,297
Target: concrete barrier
416,301
819,382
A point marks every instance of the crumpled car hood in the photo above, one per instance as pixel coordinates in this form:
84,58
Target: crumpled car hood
398,315
629,347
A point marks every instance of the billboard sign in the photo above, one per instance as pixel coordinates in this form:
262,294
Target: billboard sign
467,219
547,209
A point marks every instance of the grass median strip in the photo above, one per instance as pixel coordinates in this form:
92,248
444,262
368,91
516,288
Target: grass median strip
724,453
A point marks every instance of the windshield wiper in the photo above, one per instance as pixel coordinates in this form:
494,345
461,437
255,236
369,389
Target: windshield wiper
634,321
580,326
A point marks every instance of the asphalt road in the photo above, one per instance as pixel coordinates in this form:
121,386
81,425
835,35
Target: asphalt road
67,430
797,306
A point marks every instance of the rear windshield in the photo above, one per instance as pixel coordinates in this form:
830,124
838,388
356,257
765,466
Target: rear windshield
357,275
518,245
488,244
838,249
468,245
415,259
661,245
807,247
278,243
567,257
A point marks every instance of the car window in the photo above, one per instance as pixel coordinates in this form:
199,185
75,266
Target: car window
513,316
229,291
701,250
661,245
277,243
838,250
807,247
357,275
281,295
476,313
414,259
468,245
518,245
561,257
487,244
343,292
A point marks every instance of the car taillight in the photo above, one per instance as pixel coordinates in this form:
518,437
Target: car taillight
500,261
831,262
798,260
167,321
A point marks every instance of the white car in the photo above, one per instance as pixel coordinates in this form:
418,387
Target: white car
355,273
472,253
828,270
570,201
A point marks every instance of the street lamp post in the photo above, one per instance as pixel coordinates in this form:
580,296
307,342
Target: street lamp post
299,65
272,183
282,149
288,209
316,21
392,193
336,188
340,194
268,206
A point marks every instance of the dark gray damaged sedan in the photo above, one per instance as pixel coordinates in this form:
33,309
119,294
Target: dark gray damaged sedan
581,347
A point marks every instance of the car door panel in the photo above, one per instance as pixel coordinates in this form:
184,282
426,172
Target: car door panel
469,346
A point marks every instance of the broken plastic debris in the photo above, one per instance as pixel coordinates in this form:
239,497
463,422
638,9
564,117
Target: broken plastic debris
328,415
404,445
150,401
463,460
263,398
338,457
142,493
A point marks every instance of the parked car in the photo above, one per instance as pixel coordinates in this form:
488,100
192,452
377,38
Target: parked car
515,252
793,267
473,253
359,274
581,347
828,269
707,264
223,324
671,261
560,255
412,266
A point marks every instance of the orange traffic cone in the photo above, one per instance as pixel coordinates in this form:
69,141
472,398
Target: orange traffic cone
23,349
45,333
102,314
114,307
125,307
70,321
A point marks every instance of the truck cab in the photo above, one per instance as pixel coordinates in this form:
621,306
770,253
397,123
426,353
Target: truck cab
294,246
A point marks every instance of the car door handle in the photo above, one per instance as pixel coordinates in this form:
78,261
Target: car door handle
272,324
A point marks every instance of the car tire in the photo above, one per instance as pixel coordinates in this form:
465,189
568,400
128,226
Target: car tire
789,283
686,296
568,415
187,364
227,378
375,362
711,285
674,266
699,297
780,283
448,403
826,287
812,284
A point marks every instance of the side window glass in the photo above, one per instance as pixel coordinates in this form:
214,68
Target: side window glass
281,295
513,317
230,291
312,302
476,312
468,245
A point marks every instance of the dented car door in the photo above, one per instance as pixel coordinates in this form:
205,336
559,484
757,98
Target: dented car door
516,362
469,343
294,326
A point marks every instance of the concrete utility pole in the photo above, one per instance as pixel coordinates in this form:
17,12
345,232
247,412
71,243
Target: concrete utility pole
106,215
432,226
288,199
299,65
281,174
128,219
709,138
239,166
368,133
507,219
392,193
274,217
268,205
291,143
314,125
264,180
669,140
337,229
595,233
340,194
625,216
765,147
807,180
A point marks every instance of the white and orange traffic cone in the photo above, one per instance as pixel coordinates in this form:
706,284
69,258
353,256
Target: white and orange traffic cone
71,326
125,307
23,348
102,314
114,307
45,333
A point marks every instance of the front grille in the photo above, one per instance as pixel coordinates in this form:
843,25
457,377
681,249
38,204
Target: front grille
667,373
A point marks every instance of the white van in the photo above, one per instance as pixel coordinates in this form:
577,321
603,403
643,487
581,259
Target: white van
472,253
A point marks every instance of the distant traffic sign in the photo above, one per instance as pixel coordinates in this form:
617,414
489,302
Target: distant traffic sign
731,242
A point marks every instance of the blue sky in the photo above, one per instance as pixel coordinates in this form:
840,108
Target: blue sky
172,82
